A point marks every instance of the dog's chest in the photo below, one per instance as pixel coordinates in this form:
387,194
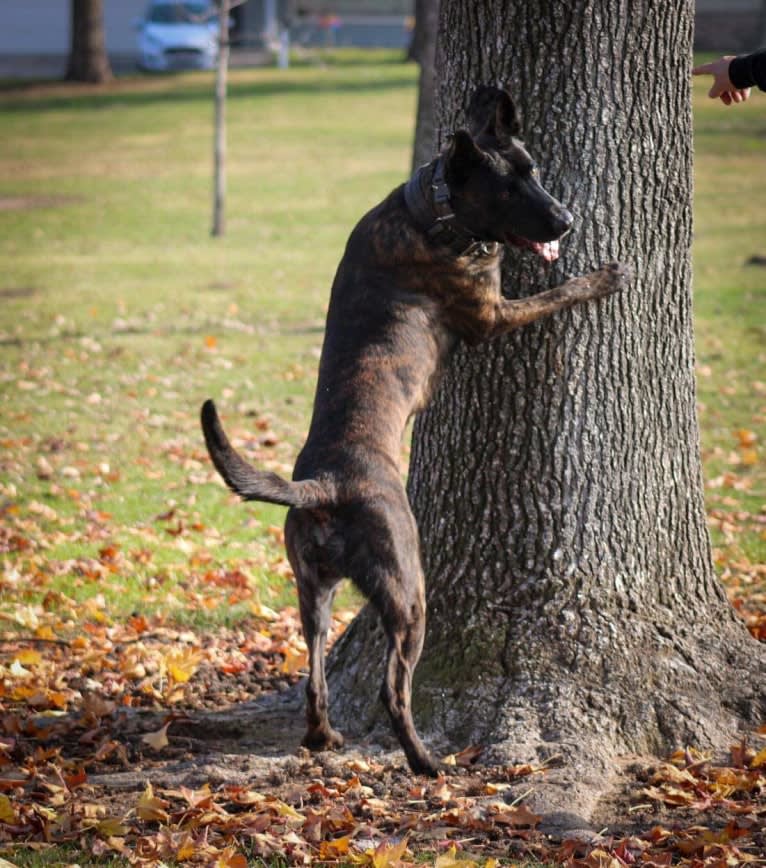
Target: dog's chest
471,301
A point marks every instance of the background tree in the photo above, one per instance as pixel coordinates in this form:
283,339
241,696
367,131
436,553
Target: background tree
219,122
761,27
219,116
88,60
423,51
573,607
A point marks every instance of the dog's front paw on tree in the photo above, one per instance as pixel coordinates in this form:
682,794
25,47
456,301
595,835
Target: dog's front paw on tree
610,279
573,609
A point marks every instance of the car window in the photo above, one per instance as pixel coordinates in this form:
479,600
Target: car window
175,13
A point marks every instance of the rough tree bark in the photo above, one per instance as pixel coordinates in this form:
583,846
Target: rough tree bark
88,60
573,607
423,50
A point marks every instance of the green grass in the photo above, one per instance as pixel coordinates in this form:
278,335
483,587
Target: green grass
730,297
120,314
58,857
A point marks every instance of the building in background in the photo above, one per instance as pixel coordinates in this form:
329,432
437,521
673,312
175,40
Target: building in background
38,30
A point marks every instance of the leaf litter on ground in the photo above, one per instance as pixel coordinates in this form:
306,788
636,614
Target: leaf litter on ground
72,664
66,681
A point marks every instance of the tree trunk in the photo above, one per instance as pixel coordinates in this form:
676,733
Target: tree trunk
426,29
761,28
219,123
419,35
88,60
556,479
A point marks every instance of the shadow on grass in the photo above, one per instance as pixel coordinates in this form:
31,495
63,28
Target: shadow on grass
128,93
282,328
723,133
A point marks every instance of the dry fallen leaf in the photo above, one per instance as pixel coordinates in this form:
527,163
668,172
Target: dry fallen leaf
150,807
335,848
7,814
182,663
157,740
746,437
759,760
229,858
387,854
111,827
295,660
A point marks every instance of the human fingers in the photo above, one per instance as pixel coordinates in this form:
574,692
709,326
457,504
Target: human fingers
740,95
726,97
703,69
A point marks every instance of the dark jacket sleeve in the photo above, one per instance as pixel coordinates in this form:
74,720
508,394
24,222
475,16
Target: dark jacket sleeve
748,70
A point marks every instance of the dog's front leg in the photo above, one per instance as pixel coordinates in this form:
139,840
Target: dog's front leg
511,314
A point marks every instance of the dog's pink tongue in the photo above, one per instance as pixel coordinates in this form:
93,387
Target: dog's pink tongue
550,251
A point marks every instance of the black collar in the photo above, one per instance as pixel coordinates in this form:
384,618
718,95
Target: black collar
428,200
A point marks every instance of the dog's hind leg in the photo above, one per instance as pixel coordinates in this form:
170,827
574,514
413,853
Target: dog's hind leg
315,616
404,619
315,595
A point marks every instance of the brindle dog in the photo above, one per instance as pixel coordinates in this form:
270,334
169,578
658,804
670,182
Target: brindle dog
421,271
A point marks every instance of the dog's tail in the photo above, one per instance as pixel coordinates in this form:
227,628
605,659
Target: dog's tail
251,484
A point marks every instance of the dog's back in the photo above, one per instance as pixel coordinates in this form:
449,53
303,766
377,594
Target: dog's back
385,345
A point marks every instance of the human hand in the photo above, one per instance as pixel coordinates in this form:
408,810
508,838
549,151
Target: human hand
722,86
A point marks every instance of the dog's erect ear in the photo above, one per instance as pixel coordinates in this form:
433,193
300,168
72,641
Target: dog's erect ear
492,112
463,155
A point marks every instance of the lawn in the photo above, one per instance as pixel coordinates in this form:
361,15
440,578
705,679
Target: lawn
730,299
120,314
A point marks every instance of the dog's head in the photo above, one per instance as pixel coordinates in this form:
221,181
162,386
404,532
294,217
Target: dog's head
494,184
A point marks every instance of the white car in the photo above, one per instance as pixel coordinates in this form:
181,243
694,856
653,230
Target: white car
178,34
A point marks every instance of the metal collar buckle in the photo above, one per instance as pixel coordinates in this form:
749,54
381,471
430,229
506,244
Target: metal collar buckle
482,248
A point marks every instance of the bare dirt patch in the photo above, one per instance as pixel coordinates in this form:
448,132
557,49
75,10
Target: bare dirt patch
18,291
27,202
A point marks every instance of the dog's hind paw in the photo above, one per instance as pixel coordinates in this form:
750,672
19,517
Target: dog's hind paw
322,739
424,765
